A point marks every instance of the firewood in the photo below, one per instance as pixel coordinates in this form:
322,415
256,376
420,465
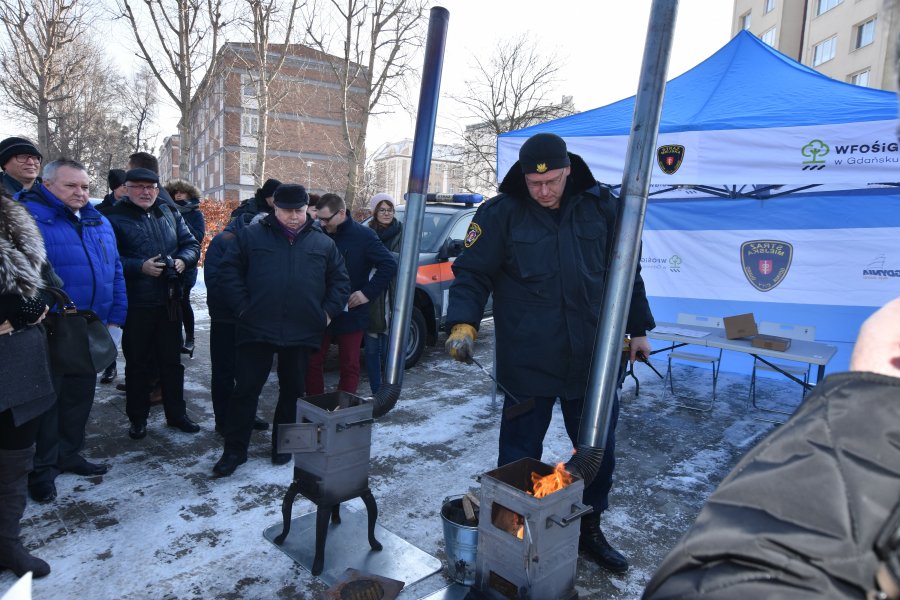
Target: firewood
473,499
468,508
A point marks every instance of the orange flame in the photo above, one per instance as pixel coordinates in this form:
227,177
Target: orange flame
556,480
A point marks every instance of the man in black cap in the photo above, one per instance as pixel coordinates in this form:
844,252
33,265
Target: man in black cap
155,246
21,163
285,280
116,181
542,247
261,202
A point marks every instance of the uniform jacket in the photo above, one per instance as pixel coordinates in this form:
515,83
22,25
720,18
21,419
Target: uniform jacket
280,291
799,515
362,252
143,234
547,273
82,252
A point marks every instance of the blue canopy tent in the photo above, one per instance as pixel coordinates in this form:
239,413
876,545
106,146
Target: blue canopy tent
756,148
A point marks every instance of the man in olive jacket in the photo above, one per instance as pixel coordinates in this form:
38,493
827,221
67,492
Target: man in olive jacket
284,280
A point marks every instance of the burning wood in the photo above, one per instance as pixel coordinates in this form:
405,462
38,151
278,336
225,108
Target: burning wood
557,480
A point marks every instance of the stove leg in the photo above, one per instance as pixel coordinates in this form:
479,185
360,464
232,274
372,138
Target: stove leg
322,515
336,514
372,510
286,507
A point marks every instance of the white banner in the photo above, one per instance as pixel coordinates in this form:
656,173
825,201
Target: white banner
848,267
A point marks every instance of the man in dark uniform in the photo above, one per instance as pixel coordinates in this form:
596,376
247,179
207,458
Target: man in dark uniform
542,247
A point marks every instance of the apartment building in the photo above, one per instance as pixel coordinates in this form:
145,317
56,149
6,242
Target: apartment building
391,163
170,158
847,40
305,141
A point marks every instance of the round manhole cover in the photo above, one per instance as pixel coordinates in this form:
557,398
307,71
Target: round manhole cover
362,589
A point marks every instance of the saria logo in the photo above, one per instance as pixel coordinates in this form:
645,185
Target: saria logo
669,158
766,262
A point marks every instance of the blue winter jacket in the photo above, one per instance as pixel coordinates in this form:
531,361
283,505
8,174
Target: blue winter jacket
82,252
363,252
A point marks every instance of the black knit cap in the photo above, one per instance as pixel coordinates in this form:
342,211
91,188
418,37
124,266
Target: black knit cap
17,145
290,195
115,178
543,152
268,189
141,175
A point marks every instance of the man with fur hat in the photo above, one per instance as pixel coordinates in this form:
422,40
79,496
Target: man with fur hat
21,162
284,280
542,247
260,202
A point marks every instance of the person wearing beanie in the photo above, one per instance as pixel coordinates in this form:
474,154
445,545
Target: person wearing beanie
187,202
390,231
156,248
284,280
115,179
261,202
541,247
21,162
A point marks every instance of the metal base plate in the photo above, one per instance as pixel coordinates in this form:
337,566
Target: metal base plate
347,545
456,591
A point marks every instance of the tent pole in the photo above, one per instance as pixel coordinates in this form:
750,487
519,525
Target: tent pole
595,416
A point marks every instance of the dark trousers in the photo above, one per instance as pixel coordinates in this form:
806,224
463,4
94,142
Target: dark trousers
222,356
16,438
348,359
523,437
254,363
60,435
152,339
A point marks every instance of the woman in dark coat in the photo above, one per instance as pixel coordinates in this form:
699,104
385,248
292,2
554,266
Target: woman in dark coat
389,231
187,200
28,391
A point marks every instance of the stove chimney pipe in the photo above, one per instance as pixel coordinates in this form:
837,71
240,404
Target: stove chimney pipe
420,165
597,412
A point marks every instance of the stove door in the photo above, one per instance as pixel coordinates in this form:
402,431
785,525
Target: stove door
298,438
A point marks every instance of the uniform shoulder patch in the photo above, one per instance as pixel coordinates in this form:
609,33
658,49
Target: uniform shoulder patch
472,234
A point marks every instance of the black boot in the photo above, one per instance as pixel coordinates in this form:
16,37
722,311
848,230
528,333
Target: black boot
109,373
14,468
594,543
188,347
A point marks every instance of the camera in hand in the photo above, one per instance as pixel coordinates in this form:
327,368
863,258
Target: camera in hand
169,269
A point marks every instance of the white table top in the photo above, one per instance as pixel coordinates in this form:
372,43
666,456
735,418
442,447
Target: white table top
815,353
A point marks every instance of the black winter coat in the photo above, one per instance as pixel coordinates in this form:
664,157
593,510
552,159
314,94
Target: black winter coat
143,234
216,301
362,252
799,515
281,291
547,273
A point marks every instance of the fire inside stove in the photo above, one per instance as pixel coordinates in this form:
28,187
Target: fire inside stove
528,532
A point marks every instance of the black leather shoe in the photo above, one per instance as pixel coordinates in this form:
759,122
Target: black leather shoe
137,431
594,543
281,459
43,492
109,373
188,347
228,463
87,469
259,424
184,424
121,387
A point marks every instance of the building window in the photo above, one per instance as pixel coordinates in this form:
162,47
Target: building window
769,37
825,5
770,6
860,79
248,88
249,125
865,33
745,21
248,163
824,51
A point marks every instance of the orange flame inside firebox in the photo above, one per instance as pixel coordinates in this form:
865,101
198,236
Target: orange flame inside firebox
546,485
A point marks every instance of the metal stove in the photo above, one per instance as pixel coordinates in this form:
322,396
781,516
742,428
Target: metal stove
527,546
331,443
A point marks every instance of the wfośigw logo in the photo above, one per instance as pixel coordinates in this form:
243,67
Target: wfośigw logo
766,262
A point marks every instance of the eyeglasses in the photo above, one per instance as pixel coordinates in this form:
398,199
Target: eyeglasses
385,211
536,186
26,158
142,188
327,219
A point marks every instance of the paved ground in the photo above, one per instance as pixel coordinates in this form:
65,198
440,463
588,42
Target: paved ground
158,525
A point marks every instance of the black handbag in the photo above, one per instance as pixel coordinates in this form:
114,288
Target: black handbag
80,343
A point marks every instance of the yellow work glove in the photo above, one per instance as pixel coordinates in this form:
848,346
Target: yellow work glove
461,343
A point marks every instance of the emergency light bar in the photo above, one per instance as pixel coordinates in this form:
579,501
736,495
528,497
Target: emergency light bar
461,198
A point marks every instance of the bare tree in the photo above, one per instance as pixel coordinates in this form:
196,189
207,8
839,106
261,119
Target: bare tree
140,102
370,45
38,57
509,91
177,39
265,20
